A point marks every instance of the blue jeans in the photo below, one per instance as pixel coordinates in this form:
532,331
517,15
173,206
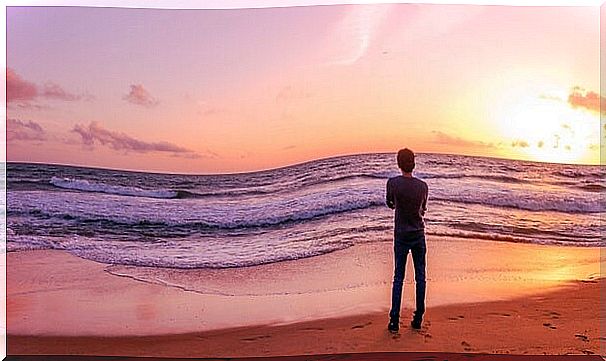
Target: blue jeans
415,243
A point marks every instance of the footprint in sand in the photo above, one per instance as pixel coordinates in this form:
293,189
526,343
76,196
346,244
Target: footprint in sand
456,318
549,325
582,337
312,329
552,314
361,326
251,339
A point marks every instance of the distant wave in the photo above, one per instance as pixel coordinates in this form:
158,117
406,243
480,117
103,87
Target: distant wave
593,187
497,178
88,186
276,188
201,215
580,174
514,239
29,184
99,187
529,204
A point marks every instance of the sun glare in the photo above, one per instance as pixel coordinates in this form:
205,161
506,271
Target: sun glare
546,128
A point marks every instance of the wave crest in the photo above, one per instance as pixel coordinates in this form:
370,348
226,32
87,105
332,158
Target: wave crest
89,186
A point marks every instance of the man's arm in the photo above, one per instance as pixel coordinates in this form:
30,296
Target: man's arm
389,199
424,205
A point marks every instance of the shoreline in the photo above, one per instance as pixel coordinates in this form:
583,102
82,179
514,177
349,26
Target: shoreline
338,302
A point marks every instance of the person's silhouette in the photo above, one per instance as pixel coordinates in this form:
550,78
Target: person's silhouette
408,196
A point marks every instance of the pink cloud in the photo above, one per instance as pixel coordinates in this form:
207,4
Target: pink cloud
54,91
95,133
19,89
24,130
444,138
140,96
24,93
579,98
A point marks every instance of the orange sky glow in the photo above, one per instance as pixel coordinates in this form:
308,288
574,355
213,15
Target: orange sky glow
212,91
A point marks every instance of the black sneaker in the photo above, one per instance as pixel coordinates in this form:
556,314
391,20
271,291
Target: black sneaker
416,323
394,325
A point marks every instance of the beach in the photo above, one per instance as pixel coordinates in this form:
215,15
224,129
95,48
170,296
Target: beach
483,297
228,181
299,259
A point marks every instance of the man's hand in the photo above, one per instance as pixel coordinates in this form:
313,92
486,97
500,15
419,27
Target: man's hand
389,198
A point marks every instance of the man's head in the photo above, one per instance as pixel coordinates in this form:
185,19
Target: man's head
406,160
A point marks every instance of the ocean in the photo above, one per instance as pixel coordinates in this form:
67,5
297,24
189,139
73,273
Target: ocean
293,212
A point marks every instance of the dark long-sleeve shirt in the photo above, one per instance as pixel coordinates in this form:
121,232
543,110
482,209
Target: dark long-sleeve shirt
408,196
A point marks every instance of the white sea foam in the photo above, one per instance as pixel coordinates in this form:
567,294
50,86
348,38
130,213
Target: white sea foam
90,186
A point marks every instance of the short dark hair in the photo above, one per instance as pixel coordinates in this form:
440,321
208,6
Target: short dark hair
406,160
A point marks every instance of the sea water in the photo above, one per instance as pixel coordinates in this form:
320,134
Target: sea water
293,212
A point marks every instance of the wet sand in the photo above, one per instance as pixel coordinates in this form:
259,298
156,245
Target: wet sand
482,297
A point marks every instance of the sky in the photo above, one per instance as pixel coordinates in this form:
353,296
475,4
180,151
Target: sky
220,91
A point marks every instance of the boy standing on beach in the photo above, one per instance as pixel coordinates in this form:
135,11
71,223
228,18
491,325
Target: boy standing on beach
408,196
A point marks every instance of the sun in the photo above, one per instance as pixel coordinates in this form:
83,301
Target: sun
546,128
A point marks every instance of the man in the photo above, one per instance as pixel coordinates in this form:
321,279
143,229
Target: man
408,196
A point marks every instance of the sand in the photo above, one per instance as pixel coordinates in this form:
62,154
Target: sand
483,297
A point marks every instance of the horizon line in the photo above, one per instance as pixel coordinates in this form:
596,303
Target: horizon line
289,165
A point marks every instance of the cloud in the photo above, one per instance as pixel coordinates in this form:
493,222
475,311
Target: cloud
94,133
54,91
29,105
520,143
140,96
550,97
579,98
356,30
19,89
24,130
24,93
444,138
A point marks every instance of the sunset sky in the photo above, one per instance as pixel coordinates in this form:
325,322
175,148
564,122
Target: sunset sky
208,91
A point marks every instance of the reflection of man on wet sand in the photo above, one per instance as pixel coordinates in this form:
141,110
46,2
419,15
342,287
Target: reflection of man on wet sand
408,196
